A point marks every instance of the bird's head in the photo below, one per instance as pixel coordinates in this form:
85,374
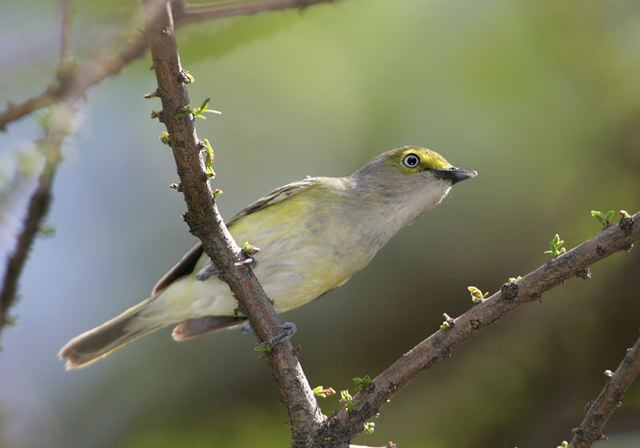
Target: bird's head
413,178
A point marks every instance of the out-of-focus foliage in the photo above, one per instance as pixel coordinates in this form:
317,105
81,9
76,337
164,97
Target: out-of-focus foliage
540,97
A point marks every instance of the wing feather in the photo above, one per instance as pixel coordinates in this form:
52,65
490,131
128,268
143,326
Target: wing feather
188,262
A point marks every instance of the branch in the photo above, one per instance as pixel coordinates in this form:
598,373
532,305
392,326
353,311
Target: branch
65,35
195,13
205,222
344,425
56,129
96,70
601,409
50,144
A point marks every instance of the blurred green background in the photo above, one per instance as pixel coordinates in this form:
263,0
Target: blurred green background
541,97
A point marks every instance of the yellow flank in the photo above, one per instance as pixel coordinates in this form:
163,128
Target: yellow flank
291,272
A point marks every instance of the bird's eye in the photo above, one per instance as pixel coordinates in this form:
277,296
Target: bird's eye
411,161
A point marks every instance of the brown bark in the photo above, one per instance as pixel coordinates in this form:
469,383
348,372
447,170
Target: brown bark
205,222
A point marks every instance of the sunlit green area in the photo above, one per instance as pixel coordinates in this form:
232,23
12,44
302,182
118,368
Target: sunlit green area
541,97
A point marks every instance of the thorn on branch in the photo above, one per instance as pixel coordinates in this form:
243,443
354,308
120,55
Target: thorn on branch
584,274
157,114
186,77
164,138
626,222
448,323
510,289
154,94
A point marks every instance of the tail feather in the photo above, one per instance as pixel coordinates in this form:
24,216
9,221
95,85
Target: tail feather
95,344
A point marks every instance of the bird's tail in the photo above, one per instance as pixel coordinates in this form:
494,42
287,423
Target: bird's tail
95,344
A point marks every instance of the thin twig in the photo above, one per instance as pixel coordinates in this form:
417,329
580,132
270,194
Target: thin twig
96,70
205,222
218,10
56,128
344,425
601,409
65,35
51,146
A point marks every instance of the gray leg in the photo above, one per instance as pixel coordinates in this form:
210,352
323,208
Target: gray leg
246,329
287,330
207,271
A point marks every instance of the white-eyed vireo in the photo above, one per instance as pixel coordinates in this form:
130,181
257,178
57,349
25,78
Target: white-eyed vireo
313,235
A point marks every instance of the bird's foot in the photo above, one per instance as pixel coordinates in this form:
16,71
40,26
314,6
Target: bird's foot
248,250
209,270
287,330
246,329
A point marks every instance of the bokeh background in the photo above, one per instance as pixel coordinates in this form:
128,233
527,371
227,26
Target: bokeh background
541,97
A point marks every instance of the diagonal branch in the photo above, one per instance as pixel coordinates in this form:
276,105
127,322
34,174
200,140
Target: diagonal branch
92,72
205,222
601,409
344,425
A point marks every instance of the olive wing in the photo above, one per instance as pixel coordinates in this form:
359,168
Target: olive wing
187,263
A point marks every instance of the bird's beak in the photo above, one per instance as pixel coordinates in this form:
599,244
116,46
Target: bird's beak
456,175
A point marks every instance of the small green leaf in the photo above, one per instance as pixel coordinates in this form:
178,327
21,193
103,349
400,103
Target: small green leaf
362,383
323,392
188,77
263,348
477,295
347,400
46,231
603,218
369,428
445,325
209,158
556,246
609,215
217,193
164,138
199,111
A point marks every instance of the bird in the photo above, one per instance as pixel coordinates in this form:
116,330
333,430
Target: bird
313,235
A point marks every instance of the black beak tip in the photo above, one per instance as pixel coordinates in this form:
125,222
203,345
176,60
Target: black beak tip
459,174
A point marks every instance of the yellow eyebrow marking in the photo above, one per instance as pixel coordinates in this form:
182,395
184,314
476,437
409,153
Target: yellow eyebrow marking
430,159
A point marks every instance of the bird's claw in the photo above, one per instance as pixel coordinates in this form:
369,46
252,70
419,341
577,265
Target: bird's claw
246,329
248,250
209,270
249,260
287,330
